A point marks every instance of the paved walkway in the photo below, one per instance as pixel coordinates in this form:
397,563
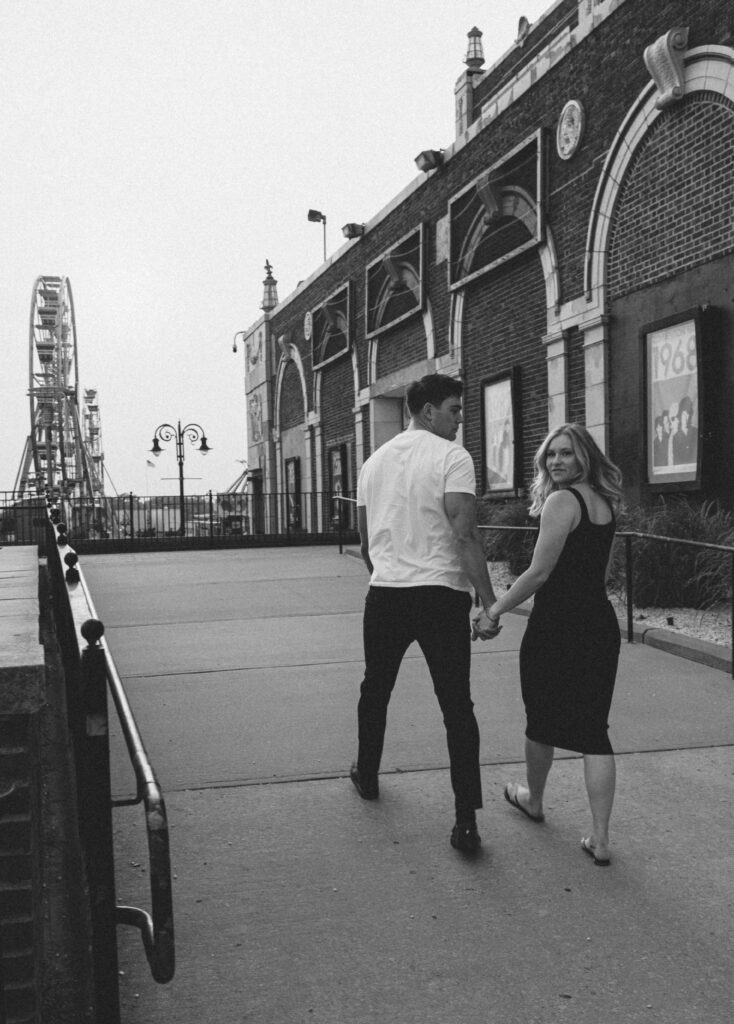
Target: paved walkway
297,902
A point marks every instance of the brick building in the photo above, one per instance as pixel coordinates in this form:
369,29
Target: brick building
570,256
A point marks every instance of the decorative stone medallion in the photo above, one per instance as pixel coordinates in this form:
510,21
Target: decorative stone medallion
570,129
308,326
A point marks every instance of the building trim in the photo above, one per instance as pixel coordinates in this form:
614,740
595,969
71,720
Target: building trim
707,69
590,16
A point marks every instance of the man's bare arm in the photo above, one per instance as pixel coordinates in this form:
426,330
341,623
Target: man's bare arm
461,510
364,540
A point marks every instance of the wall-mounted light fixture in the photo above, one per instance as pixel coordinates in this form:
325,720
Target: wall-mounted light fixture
316,216
353,230
429,160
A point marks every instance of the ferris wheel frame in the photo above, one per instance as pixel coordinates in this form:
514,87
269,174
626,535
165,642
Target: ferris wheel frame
61,464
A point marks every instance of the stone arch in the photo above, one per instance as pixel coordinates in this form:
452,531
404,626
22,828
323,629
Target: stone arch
316,420
411,280
374,343
408,277
707,69
285,445
290,354
515,203
518,204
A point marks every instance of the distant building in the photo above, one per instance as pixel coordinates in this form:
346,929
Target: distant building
569,256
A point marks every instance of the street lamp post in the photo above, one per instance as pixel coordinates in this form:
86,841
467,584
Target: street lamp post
194,433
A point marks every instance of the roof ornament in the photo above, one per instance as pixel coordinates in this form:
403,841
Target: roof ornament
664,60
270,289
475,52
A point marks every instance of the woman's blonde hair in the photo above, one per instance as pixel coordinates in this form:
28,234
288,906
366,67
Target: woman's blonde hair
596,469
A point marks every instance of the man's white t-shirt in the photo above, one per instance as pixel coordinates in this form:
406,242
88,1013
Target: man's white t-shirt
402,486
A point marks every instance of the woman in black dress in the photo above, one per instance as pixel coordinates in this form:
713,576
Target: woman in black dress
569,653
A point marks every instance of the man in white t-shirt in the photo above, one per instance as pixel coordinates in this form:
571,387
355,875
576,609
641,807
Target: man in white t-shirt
416,507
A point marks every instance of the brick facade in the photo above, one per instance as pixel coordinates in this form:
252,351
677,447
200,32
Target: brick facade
19,866
676,207
337,415
292,411
505,323
558,280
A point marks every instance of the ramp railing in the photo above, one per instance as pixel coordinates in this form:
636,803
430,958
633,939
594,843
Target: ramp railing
346,517
90,674
628,536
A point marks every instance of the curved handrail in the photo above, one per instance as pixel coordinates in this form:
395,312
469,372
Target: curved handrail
157,928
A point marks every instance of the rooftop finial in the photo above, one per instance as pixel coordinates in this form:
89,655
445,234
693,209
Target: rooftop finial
270,289
475,53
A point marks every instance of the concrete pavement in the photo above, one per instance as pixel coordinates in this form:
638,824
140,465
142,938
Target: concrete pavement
296,901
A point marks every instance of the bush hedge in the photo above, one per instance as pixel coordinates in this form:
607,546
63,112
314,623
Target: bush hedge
673,575
512,546
664,575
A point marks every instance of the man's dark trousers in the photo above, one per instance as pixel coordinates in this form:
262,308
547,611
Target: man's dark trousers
438,619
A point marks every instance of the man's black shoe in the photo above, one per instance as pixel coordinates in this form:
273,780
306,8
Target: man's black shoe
367,788
464,837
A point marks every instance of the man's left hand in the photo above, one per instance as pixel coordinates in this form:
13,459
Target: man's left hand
484,627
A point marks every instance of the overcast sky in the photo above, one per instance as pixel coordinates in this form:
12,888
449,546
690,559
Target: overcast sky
157,152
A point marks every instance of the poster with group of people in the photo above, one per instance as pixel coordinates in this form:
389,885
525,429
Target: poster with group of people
499,436
673,403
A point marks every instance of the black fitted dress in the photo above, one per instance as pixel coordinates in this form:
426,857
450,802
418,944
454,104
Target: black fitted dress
569,653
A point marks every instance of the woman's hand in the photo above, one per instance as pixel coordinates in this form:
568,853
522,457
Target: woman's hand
485,626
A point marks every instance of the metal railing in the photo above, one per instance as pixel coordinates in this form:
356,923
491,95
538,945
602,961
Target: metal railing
90,672
22,520
628,536
137,522
347,518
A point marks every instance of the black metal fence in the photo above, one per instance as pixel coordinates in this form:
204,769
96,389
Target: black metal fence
136,521
629,537
22,520
90,675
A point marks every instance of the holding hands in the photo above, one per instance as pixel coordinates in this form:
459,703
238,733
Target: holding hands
485,626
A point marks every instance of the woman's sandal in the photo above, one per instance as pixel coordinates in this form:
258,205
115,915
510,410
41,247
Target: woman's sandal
601,862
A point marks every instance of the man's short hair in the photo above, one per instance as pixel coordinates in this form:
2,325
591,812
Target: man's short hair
434,388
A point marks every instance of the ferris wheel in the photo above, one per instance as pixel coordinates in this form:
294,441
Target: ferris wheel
62,456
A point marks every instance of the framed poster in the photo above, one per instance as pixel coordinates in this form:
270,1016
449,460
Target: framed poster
338,469
338,481
293,492
498,434
672,402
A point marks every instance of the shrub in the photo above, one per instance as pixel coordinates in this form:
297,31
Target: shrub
664,575
672,575
512,546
